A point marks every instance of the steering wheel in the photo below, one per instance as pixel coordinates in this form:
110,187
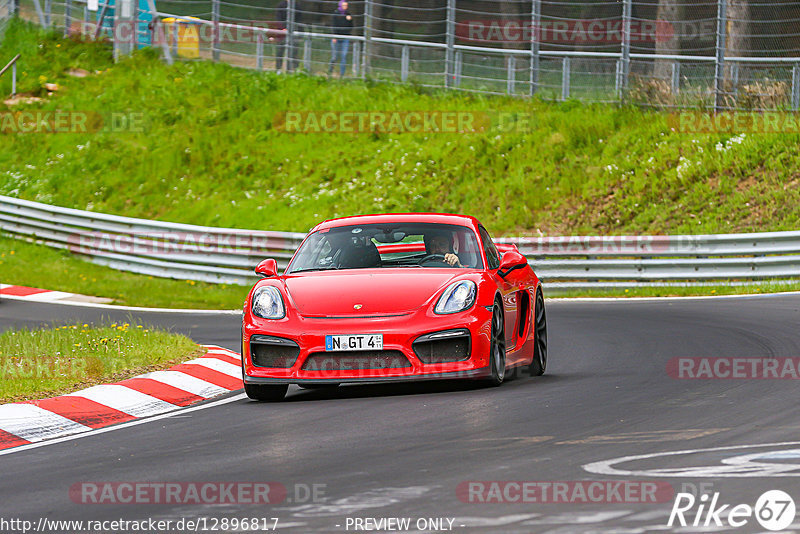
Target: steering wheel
434,257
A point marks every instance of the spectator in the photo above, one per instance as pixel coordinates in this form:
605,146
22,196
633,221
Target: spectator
342,25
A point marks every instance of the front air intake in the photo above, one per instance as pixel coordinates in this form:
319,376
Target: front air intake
275,352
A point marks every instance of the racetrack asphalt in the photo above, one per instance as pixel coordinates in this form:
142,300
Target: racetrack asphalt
403,450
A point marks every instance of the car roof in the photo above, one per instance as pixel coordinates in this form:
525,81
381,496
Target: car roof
437,218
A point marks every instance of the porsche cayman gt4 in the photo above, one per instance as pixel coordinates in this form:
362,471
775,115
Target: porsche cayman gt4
390,298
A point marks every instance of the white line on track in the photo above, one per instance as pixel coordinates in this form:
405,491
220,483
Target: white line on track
606,467
179,411
126,308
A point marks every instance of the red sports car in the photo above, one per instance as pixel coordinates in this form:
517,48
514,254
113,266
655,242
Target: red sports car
393,297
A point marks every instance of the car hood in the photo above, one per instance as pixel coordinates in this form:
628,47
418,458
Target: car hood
374,291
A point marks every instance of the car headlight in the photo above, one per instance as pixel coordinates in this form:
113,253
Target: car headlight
457,297
268,303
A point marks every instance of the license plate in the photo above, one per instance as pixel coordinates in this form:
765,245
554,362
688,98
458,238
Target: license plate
339,342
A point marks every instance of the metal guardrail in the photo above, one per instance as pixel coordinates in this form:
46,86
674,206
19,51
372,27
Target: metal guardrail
222,255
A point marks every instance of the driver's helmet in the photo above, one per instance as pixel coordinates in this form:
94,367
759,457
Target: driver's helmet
430,237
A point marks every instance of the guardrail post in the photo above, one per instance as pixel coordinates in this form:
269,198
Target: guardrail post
536,15
459,64
48,13
215,22
565,78
676,77
260,51
450,41
796,86
367,37
404,63
511,74
618,78
719,60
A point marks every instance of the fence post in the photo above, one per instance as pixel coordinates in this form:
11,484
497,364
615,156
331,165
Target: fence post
307,53
356,58
151,6
511,74
48,13
367,38
735,78
404,63
536,15
565,75
676,77
627,8
796,86
450,41
260,51
67,16
459,63
175,38
719,61
14,79
39,13
215,23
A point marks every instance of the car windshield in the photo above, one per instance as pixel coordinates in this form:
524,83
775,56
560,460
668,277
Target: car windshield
410,245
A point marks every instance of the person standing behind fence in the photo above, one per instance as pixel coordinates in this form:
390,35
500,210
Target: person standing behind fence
342,25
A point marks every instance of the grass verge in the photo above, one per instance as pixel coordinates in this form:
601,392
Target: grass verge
47,362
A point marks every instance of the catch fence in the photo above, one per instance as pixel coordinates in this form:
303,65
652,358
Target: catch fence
722,54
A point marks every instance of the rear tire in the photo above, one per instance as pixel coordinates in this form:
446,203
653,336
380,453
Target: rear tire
539,363
497,347
266,392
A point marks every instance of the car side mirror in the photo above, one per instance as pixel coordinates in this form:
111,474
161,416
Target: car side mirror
267,268
511,261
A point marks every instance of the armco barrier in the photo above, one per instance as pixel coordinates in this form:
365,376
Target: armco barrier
222,255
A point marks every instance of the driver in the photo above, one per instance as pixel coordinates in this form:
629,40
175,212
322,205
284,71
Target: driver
439,243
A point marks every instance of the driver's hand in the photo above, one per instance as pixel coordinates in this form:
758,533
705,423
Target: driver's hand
452,259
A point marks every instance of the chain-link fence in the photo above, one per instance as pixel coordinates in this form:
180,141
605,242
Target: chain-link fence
6,12
721,54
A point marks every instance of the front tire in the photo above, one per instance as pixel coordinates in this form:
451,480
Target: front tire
539,363
266,392
497,347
